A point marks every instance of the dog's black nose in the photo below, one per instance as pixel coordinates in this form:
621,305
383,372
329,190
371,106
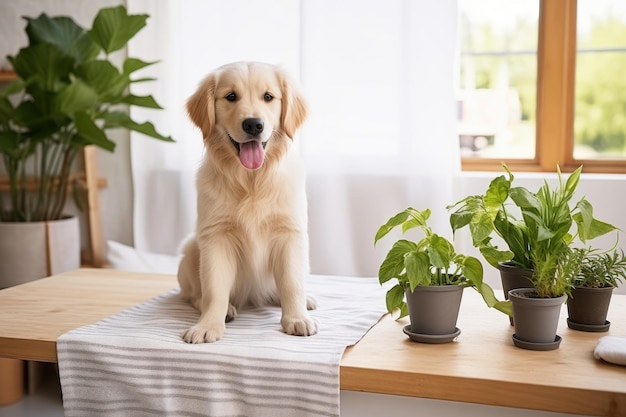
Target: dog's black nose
252,126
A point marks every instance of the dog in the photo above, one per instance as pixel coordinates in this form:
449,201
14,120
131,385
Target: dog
251,244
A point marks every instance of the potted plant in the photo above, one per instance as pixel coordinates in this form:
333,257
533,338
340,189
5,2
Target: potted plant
432,276
67,95
599,273
539,243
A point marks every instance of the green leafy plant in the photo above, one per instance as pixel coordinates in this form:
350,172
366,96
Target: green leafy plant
430,261
67,95
540,238
600,269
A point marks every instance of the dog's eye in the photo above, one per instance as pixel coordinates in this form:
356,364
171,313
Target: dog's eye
268,97
231,97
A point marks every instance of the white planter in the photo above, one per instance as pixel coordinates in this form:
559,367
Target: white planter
29,251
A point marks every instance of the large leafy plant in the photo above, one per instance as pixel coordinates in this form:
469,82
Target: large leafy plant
429,261
67,95
540,239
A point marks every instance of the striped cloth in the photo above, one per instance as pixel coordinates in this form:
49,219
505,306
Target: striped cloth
136,364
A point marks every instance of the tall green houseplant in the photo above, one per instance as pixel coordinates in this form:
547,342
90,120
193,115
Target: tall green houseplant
68,94
536,227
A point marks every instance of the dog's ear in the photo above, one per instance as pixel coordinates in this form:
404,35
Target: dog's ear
294,107
201,106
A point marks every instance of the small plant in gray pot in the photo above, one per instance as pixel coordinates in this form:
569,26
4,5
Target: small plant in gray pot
588,303
432,276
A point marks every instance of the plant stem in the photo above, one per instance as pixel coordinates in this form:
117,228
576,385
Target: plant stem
42,199
22,211
69,155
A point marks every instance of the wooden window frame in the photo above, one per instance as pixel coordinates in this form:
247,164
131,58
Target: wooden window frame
556,78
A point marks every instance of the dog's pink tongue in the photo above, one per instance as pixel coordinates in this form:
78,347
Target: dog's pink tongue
251,154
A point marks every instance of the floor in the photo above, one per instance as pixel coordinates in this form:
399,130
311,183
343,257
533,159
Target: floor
45,401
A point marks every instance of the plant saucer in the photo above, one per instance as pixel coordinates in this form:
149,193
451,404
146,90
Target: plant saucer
537,345
589,327
431,338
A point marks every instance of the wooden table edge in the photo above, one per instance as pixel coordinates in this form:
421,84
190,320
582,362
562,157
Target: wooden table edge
482,391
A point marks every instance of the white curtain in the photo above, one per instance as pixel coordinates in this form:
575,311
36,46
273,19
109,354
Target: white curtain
379,78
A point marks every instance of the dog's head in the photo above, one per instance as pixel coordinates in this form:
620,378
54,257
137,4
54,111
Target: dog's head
247,111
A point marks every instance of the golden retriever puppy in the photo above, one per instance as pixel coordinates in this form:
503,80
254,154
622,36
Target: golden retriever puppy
251,243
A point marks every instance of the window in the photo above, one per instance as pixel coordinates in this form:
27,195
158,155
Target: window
600,88
497,97
541,84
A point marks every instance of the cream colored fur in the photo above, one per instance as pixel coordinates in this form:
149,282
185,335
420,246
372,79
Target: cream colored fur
251,243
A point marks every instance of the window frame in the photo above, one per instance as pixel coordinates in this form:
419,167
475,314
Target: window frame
556,79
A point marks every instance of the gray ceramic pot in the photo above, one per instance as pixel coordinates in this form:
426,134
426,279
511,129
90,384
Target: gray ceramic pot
536,319
514,277
587,308
434,310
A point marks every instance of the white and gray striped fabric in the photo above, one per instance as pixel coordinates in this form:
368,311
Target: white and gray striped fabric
136,364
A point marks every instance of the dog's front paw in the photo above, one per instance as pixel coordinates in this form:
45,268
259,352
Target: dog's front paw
203,334
299,326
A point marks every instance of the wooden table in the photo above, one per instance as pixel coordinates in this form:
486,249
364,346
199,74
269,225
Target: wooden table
481,366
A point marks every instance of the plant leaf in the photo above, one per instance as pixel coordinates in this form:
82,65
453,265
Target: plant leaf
91,133
440,252
571,183
64,33
133,64
417,269
524,198
11,88
415,219
588,227
391,223
497,193
472,269
460,218
113,27
119,119
9,143
76,97
481,227
105,79
596,229
393,264
28,115
46,62
505,307
492,301
494,256
394,298
6,110
141,101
